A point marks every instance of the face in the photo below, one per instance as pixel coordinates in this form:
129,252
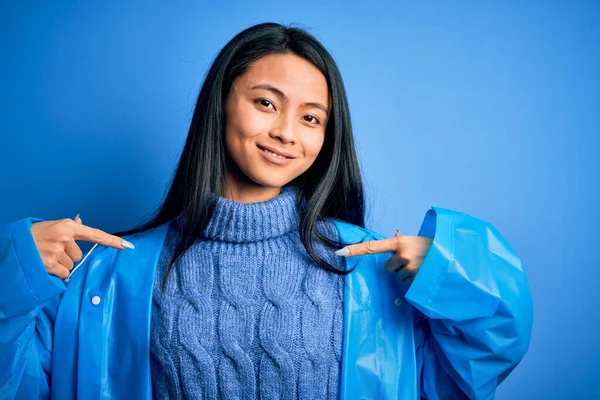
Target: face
276,114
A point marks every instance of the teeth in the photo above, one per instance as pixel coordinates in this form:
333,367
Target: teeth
273,154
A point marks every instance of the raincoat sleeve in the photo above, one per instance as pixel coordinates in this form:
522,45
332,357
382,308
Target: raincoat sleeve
475,318
29,298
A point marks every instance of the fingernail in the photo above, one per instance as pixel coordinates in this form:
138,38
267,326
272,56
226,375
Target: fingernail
77,216
343,252
127,245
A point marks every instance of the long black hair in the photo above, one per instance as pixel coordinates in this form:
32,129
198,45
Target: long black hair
330,188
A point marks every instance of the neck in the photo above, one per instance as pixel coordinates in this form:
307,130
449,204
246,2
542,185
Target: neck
239,188
236,222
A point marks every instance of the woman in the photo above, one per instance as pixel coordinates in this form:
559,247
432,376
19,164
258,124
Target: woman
233,290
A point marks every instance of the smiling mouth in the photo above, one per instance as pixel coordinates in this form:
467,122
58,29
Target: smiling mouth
274,154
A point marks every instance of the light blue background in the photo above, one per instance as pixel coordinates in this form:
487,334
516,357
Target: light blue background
485,107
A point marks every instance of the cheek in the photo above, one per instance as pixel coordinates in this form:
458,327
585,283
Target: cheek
247,123
313,145
241,127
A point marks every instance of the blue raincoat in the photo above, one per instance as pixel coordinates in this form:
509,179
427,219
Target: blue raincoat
460,329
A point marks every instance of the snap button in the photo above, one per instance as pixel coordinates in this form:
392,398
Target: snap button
398,302
96,300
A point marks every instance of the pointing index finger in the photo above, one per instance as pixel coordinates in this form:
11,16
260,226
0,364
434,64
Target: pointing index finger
88,234
370,247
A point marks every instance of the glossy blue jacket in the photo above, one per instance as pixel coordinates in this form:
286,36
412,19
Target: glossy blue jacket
460,329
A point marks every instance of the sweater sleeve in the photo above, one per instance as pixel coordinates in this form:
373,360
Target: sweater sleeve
476,308
29,298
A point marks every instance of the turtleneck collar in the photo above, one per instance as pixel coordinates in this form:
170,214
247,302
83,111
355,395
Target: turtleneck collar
250,222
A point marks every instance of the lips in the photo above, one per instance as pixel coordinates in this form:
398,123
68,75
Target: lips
276,152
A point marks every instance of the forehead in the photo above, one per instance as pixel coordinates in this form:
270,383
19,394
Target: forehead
295,76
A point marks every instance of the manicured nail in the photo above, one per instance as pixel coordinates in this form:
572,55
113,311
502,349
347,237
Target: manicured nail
127,245
343,252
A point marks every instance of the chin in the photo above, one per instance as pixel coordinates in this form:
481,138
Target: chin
272,183
270,180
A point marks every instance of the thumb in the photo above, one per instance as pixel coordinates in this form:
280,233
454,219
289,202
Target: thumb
78,220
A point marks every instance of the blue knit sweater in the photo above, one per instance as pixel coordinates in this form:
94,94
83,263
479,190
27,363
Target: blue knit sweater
247,313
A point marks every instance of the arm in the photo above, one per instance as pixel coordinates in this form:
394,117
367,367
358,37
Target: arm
476,308
29,298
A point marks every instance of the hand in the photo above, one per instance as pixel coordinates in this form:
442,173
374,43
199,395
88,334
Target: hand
409,252
55,241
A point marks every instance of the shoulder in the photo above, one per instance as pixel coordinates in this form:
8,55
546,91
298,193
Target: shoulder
147,243
157,234
349,233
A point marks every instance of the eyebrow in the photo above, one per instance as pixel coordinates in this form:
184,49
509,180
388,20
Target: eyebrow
279,93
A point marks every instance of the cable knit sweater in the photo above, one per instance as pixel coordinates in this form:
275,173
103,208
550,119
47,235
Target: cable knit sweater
247,313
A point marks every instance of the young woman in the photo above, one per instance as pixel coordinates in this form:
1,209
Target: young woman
234,289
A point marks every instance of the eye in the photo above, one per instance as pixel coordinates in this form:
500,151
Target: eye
264,103
312,119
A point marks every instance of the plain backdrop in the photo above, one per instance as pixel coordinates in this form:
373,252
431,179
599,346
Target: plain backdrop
490,108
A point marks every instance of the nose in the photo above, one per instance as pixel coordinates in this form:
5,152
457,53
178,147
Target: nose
283,131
